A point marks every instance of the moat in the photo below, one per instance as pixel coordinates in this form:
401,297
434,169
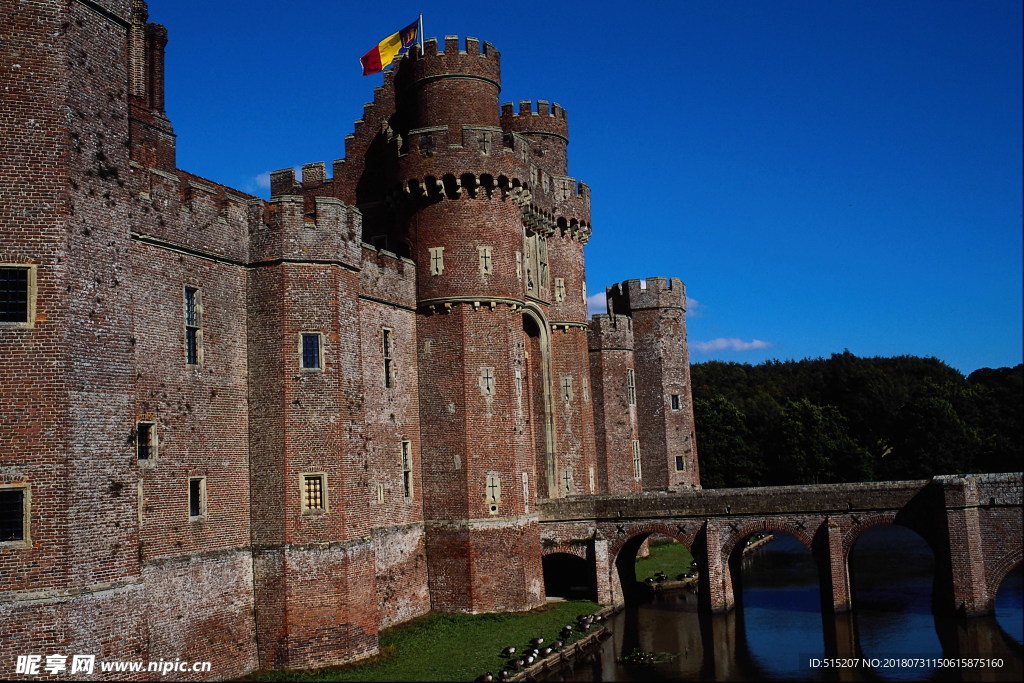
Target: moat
778,629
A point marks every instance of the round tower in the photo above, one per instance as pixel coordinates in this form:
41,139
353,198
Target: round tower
464,197
546,128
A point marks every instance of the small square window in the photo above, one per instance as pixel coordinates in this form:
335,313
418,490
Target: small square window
14,515
680,464
675,401
145,441
17,295
311,350
314,492
196,497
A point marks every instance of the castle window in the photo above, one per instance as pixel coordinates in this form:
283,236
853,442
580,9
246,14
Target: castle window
674,401
407,469
680,464
590,477
387,349
535,257
636,459
17,295
311,351
193,326
196,498
567,481
14,514
586,391
559,289
583,290
145,441
519,382
380,494
314,492
436,260
486,382
485,260
519,265
630,387
492,493
567,389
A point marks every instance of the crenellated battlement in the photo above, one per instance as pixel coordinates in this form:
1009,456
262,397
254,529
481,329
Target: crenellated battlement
545,119
610,333
473,57
653,292
308,229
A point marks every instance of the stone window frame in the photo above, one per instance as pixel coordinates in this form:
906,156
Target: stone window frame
519,265
319,336
566,386
675,402
492,492
387,342
568,484
559,289
30,296
148,427
380,494
680,463
487,382
192,316
486,259
407,480
26,515
436,260
637,467
630,386
304,493
197,495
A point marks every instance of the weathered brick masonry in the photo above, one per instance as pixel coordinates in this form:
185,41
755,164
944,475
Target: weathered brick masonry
257,432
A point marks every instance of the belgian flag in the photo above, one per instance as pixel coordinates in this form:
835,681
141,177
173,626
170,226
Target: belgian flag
385,51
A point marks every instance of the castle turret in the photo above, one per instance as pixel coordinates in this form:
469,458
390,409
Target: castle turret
546,128
665,409
612,370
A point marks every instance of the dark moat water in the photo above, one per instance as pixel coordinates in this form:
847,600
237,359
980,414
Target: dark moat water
778,630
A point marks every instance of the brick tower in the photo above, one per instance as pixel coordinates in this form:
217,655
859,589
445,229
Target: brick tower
657,307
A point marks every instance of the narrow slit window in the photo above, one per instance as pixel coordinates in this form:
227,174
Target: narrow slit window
145,441
389,361
436,260
486,382
680,464
407,469
559,289
196,497
630,387
636,459
193,326
492,492
486,262
312,351
675,402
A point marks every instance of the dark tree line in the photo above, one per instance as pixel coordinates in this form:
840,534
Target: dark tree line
845,418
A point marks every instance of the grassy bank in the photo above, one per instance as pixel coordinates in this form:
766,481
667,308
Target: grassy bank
667,557
449,647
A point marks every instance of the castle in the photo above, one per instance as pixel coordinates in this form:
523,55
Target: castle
257,432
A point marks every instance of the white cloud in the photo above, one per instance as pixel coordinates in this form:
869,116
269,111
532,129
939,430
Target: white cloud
263,181
729,344
693,307
597,303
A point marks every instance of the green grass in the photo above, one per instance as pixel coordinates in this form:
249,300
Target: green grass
672,558
449,647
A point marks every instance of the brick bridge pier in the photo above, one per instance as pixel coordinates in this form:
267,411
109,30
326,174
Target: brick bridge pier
972,524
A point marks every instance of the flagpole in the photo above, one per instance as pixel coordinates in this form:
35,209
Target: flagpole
421,34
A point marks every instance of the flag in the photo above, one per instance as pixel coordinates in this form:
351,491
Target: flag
386,50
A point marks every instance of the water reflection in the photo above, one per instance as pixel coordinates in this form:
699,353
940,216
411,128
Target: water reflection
778,627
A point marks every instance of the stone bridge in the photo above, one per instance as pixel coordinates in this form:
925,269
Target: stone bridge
972,524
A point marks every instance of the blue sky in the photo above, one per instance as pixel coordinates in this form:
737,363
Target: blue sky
822,174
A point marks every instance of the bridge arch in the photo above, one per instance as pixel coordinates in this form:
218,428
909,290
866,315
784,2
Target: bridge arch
999,569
